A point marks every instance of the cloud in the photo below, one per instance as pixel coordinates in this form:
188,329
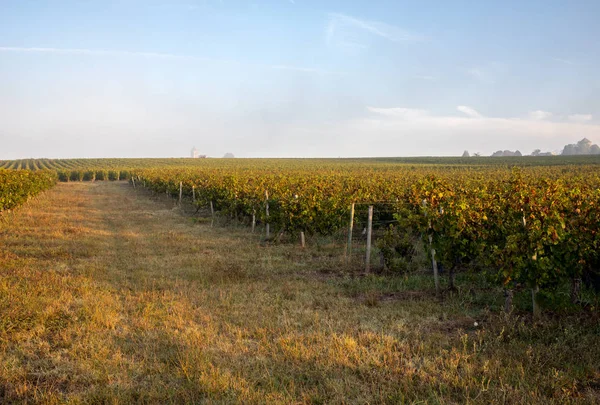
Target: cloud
100,52
564,61
475,72
485,75
154,55
348,31
304,69
425,77
540,115
399,112
581,118
422,119
471,112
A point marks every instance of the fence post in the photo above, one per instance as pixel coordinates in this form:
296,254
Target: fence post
302,241
350,227
133,182
180,191
536,307
194,194
253,219
268,233
212,214
508,300
369,234
436,278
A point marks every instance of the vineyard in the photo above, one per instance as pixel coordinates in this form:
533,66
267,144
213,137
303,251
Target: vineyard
531,225
300,281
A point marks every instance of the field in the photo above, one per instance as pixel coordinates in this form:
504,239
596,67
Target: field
112,293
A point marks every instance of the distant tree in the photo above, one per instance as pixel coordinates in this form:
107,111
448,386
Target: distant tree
504,153
466,154
229,155
583,147
477,154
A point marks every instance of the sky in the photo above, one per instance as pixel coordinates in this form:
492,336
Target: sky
296,78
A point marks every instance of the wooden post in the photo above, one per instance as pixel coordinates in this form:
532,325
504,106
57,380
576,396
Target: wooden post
536,307
133,182
253,220
350,227
180,191
369,234
193,193
302,241
508,300
575,290
267,231
436,278
212,214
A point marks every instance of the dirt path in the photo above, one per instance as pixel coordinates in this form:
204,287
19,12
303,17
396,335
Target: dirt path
108,295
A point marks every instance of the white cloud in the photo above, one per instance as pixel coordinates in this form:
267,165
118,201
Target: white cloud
352,32
564,61
471,112
100,52
398,112
475,72
485,75
425,77
443,132
540,115
154,55
581,118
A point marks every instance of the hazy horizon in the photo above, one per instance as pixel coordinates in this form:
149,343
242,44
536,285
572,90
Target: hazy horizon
293,78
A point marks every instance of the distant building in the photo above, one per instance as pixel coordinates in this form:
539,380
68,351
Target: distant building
196,155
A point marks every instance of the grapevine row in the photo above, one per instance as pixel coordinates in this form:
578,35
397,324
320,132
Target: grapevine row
534,227
18,186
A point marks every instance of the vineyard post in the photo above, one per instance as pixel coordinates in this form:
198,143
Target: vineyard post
369,234
267,232
212,214
349,246
536,308
436,277
193,193
253,219
180,191
508,299
302,241
133,182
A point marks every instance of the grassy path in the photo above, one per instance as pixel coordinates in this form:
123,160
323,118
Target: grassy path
110,296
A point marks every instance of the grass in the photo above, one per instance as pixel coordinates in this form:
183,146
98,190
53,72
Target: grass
108,295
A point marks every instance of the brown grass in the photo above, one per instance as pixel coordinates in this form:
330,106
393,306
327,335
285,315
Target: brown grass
109,296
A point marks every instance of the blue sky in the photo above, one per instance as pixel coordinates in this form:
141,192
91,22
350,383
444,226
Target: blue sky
100,78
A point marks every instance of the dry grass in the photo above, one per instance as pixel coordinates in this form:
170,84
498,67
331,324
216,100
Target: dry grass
109,296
